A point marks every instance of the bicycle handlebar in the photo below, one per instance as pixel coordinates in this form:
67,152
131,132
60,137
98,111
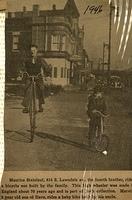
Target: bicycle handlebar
32,76
100,113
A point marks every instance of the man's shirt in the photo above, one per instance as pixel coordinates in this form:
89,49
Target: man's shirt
34,66
96,104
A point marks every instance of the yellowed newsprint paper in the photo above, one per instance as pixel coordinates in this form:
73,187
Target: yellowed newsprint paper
65,102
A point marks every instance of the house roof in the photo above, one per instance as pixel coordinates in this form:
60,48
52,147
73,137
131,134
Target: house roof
51,12
46,7
17,5
71,7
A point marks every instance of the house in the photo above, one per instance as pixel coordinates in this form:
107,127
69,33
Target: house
57,34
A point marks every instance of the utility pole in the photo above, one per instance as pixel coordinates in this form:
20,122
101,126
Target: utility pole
98,68
110,28
109,54
100,61
91,66
104,49
103,56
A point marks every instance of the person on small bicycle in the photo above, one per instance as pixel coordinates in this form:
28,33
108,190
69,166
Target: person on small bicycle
96,102
34,66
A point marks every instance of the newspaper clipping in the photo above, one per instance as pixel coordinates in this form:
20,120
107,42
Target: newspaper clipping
67,101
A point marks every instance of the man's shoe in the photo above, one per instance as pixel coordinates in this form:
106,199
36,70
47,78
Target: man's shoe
25,110
40,110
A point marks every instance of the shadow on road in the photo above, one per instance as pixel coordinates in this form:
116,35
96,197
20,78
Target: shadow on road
44,135
24,139
64,141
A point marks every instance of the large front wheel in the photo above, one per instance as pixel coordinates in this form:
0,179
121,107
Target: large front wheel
32,111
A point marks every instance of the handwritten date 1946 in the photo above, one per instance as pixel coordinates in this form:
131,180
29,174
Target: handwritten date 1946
93,9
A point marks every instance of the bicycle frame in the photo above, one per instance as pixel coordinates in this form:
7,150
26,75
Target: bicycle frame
101,130
101,141
32,105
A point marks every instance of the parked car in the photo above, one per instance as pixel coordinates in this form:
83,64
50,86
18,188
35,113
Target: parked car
116,82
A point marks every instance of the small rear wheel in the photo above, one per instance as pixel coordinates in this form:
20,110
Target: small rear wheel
101,143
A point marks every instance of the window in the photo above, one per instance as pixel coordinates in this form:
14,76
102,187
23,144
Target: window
62,72
73,48
55,72
69,19
68,73
55,43
63,43
12,14
58,42
15,41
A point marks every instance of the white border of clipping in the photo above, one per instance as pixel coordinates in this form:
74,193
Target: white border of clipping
2,87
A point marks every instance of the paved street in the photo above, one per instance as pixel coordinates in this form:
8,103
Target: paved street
60,140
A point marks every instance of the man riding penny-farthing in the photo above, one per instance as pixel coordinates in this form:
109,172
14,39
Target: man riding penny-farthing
35,70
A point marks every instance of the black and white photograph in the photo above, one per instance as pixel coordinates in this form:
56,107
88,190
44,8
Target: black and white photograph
68,85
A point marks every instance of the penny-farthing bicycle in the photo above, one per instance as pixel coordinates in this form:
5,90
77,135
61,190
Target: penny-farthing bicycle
32,104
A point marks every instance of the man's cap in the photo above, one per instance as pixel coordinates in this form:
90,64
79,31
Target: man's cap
34,45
